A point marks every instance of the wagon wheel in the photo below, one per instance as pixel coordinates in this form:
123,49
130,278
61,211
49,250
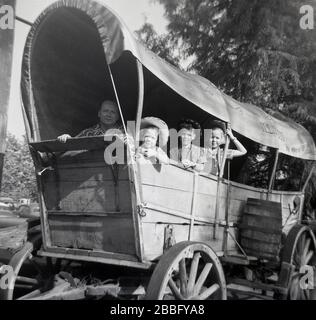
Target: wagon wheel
188,271
28,276
299,251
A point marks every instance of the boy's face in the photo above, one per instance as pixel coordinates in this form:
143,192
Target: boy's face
108,113
217,138
150,138
187,136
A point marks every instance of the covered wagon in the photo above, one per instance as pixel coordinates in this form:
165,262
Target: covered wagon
188,234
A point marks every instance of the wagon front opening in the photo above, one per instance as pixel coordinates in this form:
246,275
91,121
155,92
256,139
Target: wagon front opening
86,203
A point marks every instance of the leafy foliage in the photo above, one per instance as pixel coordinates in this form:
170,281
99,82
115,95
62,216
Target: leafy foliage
253,50
162,45
18,180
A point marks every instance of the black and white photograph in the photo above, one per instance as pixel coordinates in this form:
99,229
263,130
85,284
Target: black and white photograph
157,150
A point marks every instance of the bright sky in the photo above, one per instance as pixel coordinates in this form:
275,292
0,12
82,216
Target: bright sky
133,12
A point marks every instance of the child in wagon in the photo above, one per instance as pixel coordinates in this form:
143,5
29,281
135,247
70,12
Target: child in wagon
214,153
151,129
188,154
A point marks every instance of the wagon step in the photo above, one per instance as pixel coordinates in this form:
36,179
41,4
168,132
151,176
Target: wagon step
256,285
239,259
239,294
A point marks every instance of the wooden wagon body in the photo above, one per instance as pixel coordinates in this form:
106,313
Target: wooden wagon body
88,205
146,217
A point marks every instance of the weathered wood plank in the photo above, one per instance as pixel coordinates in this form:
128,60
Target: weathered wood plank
169,177
103,257
175,197
98,233
88,196
171,199
95,172
158,214
154,233
90,214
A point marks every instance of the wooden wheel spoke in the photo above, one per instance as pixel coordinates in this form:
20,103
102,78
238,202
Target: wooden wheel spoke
301,242
299,293
306,295
296,259
24,286
298,253
175,289
27,280
202,278
208,292
299,258
306,247
193,273
294,288
183,277
309,256
183,272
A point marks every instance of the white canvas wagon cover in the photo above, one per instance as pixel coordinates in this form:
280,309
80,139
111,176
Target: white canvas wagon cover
62,76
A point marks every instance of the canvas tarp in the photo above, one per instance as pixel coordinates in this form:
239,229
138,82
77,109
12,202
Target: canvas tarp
248,120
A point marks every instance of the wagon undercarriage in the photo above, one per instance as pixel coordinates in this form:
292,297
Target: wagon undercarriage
187,271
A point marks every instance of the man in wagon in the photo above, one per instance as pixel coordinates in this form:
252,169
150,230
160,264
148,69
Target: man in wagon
188,154
109,126
109,123
214,153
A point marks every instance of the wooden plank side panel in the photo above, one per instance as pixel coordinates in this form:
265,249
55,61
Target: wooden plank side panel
93,233
243,194
154,235
181,201
88,196
87,187
175,195
206,207
90,172
95,197
168,176
89,203
172,199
